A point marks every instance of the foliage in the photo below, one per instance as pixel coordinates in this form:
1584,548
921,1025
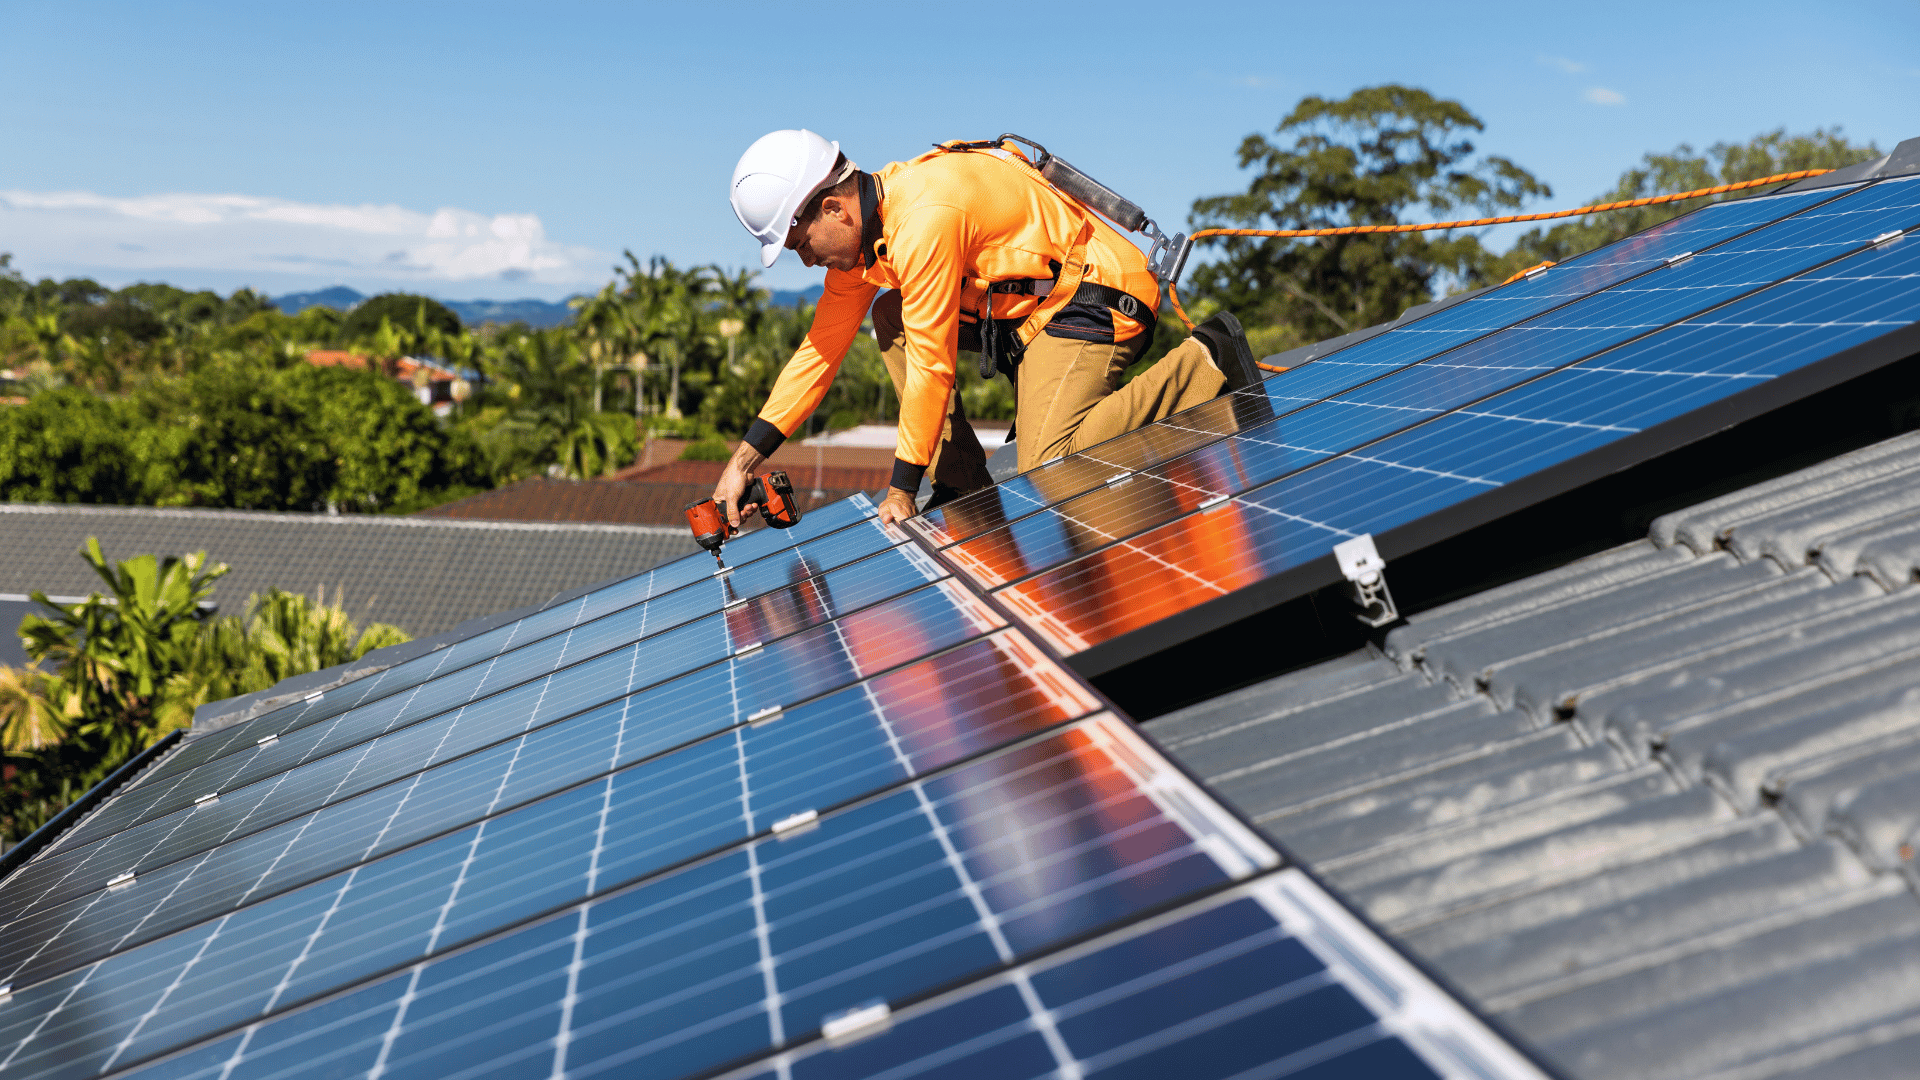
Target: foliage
712,448
66,446
29,720
400,310
1681,170
234,435
113,652
1367,159
281,635
128,665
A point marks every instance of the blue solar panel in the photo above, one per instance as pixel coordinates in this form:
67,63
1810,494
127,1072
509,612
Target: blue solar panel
671,595
1418,391
754,676
1260,981
921,716
729,955
1477,418
518,681
1364,361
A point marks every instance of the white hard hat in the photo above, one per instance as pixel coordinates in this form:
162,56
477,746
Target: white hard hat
774,180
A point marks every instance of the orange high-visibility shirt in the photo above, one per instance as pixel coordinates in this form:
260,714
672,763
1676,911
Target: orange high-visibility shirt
951,224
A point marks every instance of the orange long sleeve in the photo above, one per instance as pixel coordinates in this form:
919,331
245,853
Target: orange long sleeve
951,223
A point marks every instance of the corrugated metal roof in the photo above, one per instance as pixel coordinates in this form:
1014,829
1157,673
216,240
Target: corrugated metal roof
425,575
1656,809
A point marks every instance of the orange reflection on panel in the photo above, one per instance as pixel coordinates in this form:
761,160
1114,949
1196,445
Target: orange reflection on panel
1134,584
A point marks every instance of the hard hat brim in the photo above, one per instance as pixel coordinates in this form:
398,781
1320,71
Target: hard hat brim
770,253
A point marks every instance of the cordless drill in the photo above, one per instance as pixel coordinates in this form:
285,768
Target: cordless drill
772,492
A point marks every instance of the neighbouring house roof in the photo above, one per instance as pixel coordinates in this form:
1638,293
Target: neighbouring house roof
1657,809
651,503
423,574
792,456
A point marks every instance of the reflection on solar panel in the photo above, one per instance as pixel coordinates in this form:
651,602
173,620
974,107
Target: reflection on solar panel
1261,980
678,825
1417,433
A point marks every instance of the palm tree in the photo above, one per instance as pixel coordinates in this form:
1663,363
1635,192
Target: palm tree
664,307
600,323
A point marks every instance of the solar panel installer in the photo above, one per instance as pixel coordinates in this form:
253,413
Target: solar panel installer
978,251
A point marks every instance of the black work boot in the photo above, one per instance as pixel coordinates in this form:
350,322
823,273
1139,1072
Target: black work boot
1227,341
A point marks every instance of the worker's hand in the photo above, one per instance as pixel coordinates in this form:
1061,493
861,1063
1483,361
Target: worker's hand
734,480
896,507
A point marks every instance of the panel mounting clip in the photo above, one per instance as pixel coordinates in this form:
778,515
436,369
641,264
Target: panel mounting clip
1365,571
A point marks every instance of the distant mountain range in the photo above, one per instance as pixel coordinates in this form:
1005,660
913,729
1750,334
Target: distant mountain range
535,313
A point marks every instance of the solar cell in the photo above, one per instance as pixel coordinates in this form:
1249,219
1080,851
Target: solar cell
1546,419
735,953
1364,361
1441,383
1269,979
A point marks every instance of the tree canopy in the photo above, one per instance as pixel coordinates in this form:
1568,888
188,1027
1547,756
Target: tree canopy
1370,158
401,309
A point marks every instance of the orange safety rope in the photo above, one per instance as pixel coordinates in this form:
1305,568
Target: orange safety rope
1173,293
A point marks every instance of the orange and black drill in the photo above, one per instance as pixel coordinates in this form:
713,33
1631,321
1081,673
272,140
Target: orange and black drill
772,492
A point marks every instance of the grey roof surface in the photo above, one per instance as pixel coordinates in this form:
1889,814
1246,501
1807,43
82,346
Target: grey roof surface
425,575
1656,809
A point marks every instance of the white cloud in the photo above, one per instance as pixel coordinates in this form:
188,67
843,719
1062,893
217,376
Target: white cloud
1570,67
242,234
1600,95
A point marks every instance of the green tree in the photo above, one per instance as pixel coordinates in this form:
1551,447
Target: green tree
67,446
281,635
387,451
1368,159
1681,170
227,436
114,651
404,310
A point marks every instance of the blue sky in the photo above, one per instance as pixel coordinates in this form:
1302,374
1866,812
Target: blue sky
514,149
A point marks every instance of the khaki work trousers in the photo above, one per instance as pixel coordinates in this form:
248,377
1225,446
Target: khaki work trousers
1067,396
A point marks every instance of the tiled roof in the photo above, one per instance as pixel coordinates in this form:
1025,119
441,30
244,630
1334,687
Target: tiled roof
842,477
1657,809
792,456
422,574
612,501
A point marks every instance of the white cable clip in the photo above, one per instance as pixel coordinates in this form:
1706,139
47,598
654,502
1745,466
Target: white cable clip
1365,571
848,1025
795,821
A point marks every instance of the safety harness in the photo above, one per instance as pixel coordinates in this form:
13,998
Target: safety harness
1003,342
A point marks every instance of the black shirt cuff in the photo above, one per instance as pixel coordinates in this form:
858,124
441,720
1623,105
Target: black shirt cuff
906,476
764,437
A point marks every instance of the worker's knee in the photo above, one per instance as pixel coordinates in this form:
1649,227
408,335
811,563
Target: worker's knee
887,323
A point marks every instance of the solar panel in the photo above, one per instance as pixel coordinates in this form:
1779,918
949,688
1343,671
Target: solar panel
763,560
1264,507
1362,362
672,855
1270,979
